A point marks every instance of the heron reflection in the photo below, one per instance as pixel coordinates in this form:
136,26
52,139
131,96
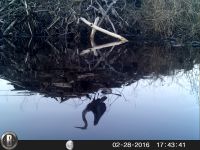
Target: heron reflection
97,107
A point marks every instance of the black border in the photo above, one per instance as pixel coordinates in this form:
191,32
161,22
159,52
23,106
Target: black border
102,145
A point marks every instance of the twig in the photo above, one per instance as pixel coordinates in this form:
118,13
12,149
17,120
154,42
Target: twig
92,36
10,27
53,47
29,26
27,13
53,23
26,58
104,13
30,41
103,30
10,43
93,29
12,2
26,7
103,58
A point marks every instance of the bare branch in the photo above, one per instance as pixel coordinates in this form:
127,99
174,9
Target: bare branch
103,30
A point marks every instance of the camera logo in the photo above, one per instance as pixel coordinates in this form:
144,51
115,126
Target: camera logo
70,145
9,140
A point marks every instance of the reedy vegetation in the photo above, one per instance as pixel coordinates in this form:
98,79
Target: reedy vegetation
167,18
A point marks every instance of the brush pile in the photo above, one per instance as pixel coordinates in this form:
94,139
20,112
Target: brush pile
25,18
173,18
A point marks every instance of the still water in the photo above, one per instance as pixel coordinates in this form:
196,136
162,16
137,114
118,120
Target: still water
48,92
148,109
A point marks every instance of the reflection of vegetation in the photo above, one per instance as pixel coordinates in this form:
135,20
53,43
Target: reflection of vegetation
193,78
52,68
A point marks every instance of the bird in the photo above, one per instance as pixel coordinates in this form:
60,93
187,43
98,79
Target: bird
97,107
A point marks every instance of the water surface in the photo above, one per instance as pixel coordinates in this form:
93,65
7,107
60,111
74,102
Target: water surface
150,100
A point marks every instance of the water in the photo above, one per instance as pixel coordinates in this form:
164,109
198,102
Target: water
147,104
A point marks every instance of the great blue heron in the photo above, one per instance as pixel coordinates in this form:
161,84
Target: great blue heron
97,107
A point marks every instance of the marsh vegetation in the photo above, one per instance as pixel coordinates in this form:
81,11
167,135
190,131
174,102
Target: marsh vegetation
174,19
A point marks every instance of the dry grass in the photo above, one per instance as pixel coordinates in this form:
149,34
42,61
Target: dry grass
167,18
172,17
32,17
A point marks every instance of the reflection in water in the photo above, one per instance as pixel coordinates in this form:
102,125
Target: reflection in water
51,69
98,108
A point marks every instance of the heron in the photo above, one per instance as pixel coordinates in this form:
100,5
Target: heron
97,107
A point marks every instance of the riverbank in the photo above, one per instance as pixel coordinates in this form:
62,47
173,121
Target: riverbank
177,19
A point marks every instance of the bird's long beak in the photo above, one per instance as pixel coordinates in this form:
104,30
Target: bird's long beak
83,128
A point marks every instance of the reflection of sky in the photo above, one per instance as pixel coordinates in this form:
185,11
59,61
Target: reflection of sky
150,110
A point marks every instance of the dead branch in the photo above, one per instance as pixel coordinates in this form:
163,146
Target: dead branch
93,29
104,13
10,27
103,30
53,23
